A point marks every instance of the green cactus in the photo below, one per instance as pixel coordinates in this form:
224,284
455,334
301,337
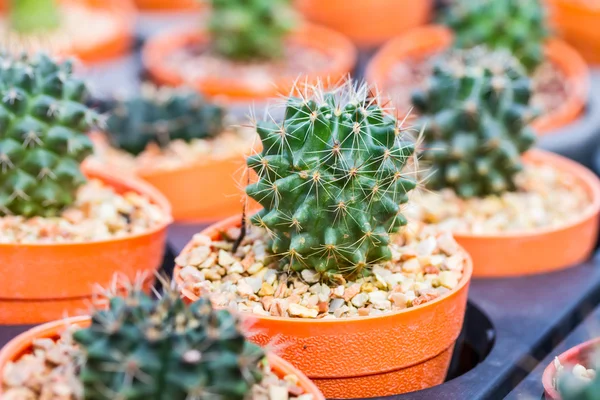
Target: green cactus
574,388
33,16
331,182
516,25
146,349
246,30
475,114
43,121
160,116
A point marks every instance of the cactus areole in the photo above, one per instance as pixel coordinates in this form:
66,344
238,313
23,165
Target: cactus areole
163,349
332,180
475,117
43,121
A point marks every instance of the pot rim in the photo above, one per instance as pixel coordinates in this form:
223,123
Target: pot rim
18,345
104,173
586,179
236,220
550,370
564,57
343,58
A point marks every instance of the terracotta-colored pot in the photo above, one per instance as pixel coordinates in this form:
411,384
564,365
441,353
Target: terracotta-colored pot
540,250
202,192
577,22
429,40
42,282
357,357
368,23
235,90
23,344
168,5
113,47
205,191
580,354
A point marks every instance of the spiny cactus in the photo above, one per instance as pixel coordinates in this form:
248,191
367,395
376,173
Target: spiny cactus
331,181
475,114
516,25
160,116
247,30
141,348
43,121
33,16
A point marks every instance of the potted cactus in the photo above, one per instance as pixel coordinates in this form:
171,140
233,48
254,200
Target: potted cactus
515,211
97,32
573,374
248,52
65,225
368,23
560,75
171,138
139,347
329,260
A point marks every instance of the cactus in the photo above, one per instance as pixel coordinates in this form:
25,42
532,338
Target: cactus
516,25
161,115
141,348
572,387
33,16
246,30
331,181
474,115
43,122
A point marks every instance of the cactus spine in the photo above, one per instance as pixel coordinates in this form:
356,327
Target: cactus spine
331,181
160,116
43,121
474,115
247,30
163,349
518,26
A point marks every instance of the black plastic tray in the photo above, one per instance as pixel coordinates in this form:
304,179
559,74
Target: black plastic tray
531,387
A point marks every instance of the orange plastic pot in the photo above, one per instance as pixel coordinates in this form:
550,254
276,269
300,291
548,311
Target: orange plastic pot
117,45
202,192
23,344
429,40
581,354
365,356
42,282
368,23
231,90
168,5
540,250
577,22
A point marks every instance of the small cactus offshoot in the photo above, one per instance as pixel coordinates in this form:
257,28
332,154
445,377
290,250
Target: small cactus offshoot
475,114
43,126
142,348
33,16
516,25
161,116
332,181
247,30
